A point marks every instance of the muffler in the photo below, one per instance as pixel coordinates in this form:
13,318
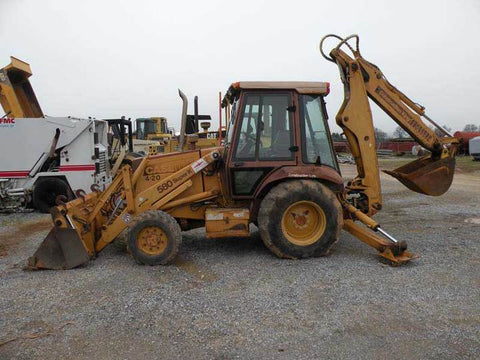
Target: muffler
426,175
62,249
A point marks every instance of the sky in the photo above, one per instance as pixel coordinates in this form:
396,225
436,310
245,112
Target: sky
108,58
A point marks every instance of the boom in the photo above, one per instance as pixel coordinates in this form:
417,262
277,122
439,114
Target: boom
430,175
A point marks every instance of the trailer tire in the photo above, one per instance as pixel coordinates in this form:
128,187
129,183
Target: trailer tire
46,190
154,238
300,219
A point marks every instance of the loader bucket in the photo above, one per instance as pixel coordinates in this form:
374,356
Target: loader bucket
61,249
426,175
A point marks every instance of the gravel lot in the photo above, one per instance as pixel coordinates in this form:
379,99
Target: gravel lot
227,299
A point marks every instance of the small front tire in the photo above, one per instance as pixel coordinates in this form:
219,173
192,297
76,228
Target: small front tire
154,238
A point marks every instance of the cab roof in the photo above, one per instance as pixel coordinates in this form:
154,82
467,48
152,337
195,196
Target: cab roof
302,87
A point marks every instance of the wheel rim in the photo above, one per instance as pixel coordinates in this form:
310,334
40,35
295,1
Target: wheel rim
303,223
152,240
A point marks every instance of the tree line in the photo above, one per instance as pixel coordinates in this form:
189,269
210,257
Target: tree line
400,133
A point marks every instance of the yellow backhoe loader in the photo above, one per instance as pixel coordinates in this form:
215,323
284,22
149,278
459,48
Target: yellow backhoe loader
276,170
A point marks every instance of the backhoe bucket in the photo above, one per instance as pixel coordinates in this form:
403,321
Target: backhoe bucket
426,175
61,249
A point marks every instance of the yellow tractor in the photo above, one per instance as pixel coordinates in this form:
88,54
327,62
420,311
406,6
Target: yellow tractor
277,170
190,138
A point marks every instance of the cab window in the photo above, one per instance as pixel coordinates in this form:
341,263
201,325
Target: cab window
145,127
233,114
317,146
265,129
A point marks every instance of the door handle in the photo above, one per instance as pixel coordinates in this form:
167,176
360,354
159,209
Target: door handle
293,148
238,164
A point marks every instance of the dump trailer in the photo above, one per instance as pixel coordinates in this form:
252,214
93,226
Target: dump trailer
44,157
277,170
17,97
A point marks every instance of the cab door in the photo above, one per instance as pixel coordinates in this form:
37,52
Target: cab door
263,140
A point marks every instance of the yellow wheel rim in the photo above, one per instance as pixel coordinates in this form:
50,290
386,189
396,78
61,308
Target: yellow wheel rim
303,223
152,240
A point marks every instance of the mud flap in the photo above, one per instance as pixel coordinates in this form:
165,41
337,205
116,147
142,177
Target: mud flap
61,249
426,175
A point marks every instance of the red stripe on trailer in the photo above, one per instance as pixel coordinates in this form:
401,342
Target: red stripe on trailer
89,167
13,174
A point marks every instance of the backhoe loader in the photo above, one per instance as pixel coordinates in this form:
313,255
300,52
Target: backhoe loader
277,170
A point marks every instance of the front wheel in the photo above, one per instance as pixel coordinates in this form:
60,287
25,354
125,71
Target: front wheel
300,219
154,238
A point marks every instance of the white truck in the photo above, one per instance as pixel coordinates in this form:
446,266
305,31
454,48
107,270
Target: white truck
44,157
50,156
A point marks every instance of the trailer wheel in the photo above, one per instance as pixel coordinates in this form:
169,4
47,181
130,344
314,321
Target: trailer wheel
300,219
46,191
154,238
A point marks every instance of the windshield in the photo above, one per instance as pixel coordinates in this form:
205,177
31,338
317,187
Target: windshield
315,133
145,127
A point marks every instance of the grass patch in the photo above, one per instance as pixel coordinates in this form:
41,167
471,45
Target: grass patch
464,164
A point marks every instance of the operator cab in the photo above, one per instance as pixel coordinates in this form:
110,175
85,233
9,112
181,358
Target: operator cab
151,128
275,125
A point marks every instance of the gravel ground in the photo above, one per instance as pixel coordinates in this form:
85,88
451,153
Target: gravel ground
227,299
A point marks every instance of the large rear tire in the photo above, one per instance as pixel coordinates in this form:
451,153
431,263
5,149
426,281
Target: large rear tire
46,191
300,219
154,238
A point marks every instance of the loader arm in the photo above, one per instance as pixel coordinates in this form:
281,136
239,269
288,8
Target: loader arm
86,225
430,175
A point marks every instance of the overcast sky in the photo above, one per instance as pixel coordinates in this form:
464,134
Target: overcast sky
107,58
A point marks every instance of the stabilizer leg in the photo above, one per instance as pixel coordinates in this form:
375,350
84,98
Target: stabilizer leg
388,247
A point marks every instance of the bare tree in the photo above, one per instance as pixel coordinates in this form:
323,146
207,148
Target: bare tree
337,137
400,133
440,133
380,136
470,128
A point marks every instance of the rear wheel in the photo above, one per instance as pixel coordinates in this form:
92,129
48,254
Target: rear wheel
154,238
46,191
299,219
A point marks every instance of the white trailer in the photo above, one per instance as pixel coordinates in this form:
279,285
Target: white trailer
474,148
43,158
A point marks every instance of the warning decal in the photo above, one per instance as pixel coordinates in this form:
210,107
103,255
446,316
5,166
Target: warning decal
199,165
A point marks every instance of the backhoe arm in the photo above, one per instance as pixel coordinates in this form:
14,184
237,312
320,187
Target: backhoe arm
430,175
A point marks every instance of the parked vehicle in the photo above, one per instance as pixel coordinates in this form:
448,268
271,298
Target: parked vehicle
45,157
